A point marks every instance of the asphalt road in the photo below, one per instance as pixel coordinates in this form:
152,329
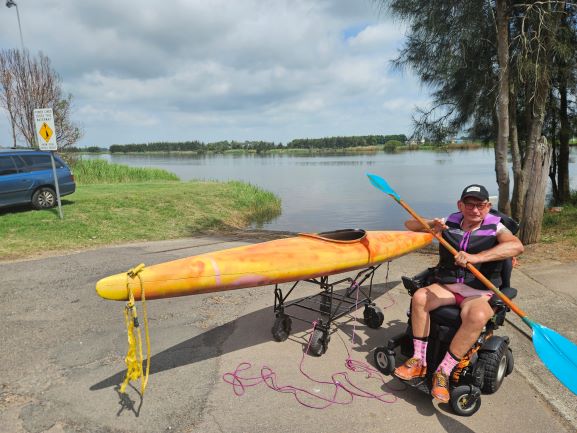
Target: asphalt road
62,350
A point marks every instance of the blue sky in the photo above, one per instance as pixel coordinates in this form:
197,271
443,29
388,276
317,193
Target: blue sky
142,71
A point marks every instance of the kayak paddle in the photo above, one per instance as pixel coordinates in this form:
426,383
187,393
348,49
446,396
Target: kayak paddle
557,352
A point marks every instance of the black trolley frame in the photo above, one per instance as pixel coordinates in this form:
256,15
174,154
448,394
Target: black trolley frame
330,306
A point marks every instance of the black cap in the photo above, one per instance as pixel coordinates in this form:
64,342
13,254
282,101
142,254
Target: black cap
477,191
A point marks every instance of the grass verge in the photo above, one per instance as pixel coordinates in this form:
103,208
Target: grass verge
561,226
103,214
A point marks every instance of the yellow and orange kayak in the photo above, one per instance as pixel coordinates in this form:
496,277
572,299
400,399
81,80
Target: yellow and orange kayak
308,255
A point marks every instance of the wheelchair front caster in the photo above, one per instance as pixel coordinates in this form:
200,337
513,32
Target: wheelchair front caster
384,360
465,400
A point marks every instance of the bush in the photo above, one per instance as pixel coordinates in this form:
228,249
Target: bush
391,144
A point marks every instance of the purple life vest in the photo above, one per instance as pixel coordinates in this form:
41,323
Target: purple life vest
482,239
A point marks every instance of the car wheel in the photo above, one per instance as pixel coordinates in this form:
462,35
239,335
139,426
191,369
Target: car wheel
44,198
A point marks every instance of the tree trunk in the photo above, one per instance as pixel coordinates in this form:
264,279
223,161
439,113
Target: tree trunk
564,136
530,231
501,167
552,109
536,168
517,198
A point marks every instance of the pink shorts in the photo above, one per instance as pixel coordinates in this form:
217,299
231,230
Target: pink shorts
462,292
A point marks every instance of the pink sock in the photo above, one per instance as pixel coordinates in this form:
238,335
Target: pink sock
448,363
420,351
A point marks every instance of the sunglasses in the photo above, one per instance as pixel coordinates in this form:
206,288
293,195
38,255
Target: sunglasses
480,206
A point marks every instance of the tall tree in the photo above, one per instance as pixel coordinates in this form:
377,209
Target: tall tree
502,144
560,114
489,64
27,83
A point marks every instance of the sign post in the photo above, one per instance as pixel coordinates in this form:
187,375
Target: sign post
46,138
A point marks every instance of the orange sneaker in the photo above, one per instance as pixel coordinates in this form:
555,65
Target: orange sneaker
440,389
413,368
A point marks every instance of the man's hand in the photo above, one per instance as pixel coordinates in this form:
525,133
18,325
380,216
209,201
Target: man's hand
438,225
462,258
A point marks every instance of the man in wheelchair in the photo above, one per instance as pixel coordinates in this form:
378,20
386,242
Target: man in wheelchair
481,238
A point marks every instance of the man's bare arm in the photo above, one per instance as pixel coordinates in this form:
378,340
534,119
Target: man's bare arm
509,246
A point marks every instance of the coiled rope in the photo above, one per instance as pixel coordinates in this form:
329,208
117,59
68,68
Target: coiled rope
134,358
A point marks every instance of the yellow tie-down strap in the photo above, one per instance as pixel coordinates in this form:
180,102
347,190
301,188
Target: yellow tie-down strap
134,356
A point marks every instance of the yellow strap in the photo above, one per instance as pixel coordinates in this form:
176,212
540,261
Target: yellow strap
134,356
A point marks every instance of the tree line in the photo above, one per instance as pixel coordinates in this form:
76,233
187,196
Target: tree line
195,146
260,146
344,142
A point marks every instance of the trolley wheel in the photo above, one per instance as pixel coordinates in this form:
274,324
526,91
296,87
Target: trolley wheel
384,360
510,361
373,316
495,367
281,327
465,400
319,342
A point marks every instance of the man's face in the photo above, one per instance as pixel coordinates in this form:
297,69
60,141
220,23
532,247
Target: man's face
473,209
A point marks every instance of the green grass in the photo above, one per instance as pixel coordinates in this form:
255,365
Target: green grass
561,226
100,171
103,214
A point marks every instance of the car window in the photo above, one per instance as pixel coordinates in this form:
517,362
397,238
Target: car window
7,166
19,162
39,162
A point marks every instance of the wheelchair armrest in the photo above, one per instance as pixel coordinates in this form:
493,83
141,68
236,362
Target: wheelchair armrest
497,303
410,284
422,279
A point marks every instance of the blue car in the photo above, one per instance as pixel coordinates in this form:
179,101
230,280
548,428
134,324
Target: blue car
26,177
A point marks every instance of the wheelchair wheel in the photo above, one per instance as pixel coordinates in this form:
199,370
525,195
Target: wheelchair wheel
384,360
510,362
496,364
465,400
373,316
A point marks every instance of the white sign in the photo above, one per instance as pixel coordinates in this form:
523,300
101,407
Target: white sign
45,131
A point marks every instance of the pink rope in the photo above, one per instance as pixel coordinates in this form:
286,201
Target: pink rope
343,392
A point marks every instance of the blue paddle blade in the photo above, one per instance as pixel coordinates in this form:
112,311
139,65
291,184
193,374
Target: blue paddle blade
382,184
557,353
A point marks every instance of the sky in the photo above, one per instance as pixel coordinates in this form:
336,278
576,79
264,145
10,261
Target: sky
142,71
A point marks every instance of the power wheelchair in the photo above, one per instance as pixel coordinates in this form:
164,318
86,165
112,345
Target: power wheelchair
482,369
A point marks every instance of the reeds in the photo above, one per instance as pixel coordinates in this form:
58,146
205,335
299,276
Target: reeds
100,171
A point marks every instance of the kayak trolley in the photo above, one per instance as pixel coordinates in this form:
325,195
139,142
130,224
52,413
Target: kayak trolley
329,304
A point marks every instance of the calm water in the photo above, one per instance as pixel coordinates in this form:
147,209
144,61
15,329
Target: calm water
321,193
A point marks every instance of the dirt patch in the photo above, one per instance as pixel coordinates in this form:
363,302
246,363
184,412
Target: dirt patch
561,251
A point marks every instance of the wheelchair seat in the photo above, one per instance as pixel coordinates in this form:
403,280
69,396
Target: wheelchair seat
450,315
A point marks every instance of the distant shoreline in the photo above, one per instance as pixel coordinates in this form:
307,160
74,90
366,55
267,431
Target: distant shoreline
310,151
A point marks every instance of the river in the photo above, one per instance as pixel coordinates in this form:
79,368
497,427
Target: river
321,193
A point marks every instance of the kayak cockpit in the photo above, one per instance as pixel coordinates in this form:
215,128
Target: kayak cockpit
340,236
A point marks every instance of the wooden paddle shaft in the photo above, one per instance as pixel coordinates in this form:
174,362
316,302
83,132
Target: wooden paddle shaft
470,267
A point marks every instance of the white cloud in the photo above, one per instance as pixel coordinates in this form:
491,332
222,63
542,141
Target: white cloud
192,69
